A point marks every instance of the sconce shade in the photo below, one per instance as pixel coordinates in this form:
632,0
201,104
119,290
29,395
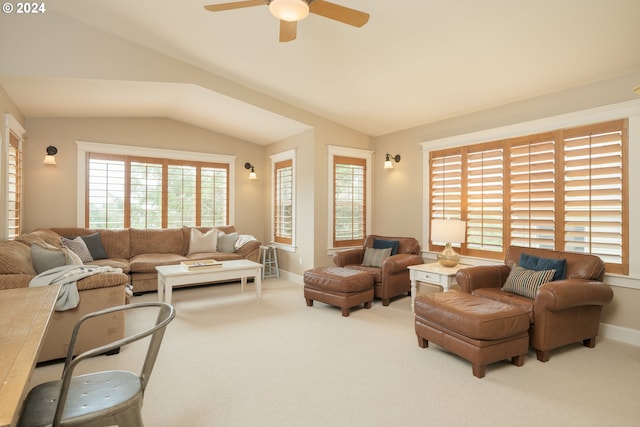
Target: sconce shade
637,90
252,173
387,160
289,10
49,158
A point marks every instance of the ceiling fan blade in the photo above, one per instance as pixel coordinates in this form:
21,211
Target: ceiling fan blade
235,5
288,30
339,13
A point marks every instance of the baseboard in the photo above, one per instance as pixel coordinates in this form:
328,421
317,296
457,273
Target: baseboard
620,333
295,278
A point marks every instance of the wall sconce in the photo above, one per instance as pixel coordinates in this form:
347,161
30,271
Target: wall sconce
252,174
448,231
387,160
637,90
49,158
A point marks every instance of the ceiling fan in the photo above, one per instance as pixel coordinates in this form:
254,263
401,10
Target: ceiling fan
289,12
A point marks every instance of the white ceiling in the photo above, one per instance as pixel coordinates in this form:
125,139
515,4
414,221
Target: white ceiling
414,62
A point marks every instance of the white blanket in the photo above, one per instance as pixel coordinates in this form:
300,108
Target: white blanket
66,276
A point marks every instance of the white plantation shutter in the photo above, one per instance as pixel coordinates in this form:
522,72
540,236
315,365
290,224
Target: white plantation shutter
283,202
214,192
349,201
14,187
532,192
485,199
105,192
565,190
146,193
593,187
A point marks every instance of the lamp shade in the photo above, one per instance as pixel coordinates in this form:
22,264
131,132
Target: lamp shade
289,10
448,230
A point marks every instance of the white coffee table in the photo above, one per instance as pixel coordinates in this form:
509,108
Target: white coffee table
170,276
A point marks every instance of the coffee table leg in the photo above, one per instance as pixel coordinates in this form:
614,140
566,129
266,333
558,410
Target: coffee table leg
258,280
160,287
168,289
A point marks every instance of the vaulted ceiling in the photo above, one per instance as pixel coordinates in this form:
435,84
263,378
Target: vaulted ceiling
414,62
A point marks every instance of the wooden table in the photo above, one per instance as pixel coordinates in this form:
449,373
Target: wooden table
178,275
24,318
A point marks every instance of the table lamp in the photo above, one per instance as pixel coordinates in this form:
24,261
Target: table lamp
448,231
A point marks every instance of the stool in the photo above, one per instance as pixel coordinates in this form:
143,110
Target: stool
342,287
477,329
269,258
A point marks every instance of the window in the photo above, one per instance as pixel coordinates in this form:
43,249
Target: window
283,202
564,190
141,192
349,201
13,177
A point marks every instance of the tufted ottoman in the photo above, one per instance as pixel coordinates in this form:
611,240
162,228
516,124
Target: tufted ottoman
342,287
477,329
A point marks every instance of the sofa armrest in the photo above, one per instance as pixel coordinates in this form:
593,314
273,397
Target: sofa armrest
563,294
482,276
348,257
15,281
246,250
400,262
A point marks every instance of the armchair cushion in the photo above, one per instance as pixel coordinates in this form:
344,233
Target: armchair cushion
532,262
383,244
375,257
526,282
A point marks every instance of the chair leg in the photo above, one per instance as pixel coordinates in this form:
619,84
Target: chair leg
423,343
130,418
346,311
309,302
478,371
386,301
518,360
367,305
589,342
543,356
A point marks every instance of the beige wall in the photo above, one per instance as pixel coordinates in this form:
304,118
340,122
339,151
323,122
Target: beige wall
51,191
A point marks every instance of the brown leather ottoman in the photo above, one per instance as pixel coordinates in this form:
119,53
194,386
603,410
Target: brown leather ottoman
342,287
477,329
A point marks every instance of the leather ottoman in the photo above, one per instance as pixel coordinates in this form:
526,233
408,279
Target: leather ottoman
477,329
342,287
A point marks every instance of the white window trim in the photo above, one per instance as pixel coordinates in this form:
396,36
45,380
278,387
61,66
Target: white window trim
275,158
85,147
12,126
335,150
629,110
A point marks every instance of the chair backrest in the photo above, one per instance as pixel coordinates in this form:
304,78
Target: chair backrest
579,266
407,245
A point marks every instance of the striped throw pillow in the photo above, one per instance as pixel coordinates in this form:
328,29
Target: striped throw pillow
526,282
374,257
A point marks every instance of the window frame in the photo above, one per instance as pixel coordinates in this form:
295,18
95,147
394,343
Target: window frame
84,148
357,153
285,156
13,131
566,123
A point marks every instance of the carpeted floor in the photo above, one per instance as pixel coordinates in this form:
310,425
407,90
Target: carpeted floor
229,359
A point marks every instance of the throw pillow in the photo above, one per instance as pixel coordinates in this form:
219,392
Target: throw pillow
375,257
384,244
79,247
203,242
227,242
46,258
532,262
526,282
94,244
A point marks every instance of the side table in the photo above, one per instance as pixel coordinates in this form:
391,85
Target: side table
432,273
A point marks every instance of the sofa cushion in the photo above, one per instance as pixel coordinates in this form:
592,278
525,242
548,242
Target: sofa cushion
532,262
227,242
79,247
526,282
158,241
94,244
15,258
146,263
203,242
383,244
375,257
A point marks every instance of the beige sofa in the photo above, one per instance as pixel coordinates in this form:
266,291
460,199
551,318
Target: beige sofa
103,290
139,251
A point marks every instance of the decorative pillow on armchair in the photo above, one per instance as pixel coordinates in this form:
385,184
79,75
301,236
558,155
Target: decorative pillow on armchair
532,262
384,244
375,257
526,282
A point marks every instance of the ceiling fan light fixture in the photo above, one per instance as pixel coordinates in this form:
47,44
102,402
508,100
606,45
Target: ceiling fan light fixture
289,10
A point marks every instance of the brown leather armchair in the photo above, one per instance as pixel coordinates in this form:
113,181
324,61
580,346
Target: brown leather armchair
563,311
392,279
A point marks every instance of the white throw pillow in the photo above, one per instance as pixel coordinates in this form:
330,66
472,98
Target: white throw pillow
203,242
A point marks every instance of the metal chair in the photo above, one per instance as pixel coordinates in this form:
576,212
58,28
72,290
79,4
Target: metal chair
100,398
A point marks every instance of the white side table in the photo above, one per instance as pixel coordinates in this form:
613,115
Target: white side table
432,273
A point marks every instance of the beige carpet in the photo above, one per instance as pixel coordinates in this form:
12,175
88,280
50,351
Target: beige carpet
229,359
